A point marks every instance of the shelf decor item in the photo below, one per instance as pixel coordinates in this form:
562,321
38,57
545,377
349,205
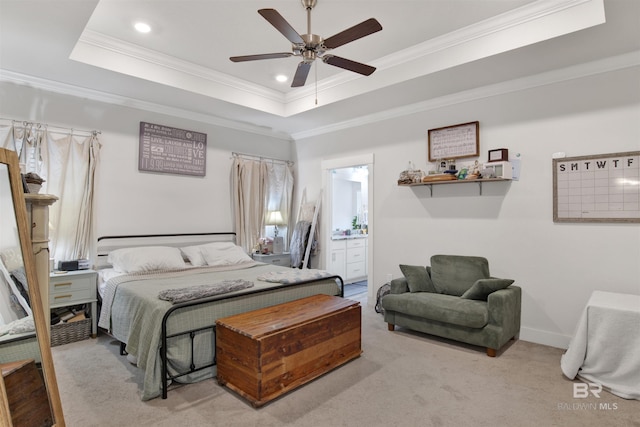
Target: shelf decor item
498,155
454,142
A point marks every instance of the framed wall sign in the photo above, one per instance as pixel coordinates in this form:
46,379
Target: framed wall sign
166,149
601,188
454,142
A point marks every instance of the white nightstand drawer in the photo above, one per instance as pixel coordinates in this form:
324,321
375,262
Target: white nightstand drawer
71,287
70,297
69,284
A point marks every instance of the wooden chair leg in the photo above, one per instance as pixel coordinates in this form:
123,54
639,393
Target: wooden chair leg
491,352
391,326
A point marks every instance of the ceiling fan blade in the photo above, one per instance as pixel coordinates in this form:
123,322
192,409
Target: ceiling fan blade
347,64
260,56
301,74
281,25
360,30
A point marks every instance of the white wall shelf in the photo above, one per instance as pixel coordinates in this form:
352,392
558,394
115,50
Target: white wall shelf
457,181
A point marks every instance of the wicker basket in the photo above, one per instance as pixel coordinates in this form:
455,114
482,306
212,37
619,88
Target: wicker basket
65,333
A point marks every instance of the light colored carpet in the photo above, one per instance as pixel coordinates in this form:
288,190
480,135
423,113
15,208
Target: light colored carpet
402,379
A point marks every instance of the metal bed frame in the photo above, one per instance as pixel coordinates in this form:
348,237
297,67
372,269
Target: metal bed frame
166,378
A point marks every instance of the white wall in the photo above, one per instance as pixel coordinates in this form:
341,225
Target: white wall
132,202
557,265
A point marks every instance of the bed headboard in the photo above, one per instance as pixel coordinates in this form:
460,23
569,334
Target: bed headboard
107,244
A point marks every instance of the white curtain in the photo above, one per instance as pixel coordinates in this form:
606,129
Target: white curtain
280,193
248,190
257,187
68,164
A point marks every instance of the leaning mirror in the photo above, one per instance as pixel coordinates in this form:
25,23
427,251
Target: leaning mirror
28,387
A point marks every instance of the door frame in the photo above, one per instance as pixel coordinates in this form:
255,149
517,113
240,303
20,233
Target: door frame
327,194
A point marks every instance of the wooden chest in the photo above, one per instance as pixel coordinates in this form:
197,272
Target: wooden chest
265,353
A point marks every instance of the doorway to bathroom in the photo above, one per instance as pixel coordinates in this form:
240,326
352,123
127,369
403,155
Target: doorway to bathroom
349,229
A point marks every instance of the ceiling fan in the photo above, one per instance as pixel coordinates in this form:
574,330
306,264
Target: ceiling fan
311,46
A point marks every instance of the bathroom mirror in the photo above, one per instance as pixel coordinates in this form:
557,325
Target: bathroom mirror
23,331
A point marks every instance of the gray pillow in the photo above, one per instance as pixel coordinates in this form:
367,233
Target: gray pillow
481,289
417,278
455,274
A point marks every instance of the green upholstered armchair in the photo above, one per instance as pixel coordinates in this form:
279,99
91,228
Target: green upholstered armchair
456,298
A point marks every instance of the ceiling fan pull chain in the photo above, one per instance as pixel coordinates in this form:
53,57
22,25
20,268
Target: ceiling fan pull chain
315,70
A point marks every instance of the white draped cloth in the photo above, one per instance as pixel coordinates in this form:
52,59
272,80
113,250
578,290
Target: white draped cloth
606,346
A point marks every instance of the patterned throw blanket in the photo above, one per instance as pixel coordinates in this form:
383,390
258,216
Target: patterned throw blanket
293,275
176,296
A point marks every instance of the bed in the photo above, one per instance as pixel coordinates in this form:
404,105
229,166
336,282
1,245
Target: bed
173,339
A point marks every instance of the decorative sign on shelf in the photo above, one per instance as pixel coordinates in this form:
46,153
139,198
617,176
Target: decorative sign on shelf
601,188
171,150
454,142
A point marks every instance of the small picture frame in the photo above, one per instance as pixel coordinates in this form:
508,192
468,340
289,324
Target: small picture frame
498,155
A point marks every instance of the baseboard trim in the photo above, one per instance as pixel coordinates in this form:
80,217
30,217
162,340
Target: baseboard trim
545,338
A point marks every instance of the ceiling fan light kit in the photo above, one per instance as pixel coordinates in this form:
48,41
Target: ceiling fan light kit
311,46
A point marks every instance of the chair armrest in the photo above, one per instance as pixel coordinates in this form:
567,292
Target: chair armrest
504,307
399,286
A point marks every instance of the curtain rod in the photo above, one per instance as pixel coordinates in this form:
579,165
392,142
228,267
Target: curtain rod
26,123
251,156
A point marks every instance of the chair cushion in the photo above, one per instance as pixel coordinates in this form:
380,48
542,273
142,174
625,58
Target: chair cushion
418,278
455,274
483,287
442,308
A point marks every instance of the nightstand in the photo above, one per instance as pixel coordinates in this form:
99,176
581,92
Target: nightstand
75,288
283,259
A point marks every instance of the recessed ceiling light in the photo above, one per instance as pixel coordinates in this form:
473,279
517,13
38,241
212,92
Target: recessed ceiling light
281,78
142,27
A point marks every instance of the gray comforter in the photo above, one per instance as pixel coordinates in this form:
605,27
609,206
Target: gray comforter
132,313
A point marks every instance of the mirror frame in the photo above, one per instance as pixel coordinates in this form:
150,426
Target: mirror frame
10,158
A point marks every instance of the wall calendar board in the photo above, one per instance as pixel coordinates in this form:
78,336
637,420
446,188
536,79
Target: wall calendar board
601,188
171,150
454,142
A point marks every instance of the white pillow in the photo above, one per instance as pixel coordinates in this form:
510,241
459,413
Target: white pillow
193,254
148,258
215,256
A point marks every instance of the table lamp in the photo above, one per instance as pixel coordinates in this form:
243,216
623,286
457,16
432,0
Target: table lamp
275,218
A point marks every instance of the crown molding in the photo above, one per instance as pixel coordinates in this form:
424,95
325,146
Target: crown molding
629,60
130,50
531,12
531,23
123,101
606,65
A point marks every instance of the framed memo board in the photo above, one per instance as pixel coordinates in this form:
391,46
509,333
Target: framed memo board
600,188
454,142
